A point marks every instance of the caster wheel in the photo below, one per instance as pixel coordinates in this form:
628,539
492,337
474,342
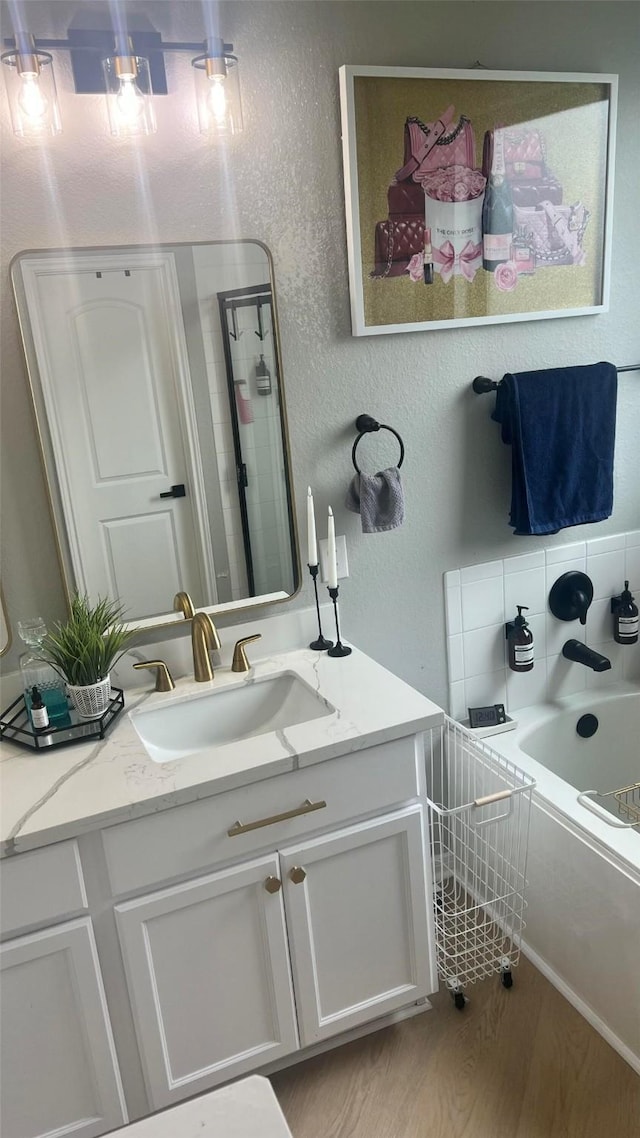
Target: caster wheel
459,1001
506,980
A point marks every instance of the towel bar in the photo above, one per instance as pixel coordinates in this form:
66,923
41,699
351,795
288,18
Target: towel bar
365,424
482,384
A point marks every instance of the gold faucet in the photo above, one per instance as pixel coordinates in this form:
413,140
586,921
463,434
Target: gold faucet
204,637
182,603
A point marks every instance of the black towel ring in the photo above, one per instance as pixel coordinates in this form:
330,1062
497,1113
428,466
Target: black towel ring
365,425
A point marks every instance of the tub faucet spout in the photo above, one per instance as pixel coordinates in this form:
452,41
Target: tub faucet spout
582,654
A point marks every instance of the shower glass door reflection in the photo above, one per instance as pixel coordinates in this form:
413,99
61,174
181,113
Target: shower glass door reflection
263,549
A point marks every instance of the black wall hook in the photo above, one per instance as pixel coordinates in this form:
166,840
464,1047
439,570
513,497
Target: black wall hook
365,425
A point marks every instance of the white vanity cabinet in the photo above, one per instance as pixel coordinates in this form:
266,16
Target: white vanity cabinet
59,1068
237,968
356,905
209,980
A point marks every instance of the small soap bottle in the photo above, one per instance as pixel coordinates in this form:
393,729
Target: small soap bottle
520,643
39,713
625,617
263,377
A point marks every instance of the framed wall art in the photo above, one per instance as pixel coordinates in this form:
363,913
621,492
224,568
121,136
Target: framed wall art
476,197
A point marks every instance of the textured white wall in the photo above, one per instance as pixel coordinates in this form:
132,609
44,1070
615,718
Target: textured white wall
282,182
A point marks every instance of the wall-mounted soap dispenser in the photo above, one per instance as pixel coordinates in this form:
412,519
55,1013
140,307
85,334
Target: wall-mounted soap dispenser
519,642
625,617
263,377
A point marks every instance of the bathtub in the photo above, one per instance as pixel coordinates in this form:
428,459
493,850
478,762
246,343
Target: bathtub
583,918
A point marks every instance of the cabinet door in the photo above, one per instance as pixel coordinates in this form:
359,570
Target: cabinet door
208,974
59,1069
359,923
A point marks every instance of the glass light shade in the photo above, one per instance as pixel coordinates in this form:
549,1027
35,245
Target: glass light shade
218,94
31,90
128,89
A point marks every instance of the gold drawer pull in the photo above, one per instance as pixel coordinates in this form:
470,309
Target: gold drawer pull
297,874
273,884
307,808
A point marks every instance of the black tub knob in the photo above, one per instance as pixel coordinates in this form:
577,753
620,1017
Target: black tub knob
571,596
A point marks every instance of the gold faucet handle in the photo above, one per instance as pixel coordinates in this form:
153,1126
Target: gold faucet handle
164,679
240,662
182,603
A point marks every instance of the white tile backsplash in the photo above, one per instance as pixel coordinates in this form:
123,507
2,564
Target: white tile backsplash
453,610
482,603
525,688
482,690
632,568
530,584
481,572
524,562
604,569
457,706
483,650
599,622
565,677
576,551
559,631
606,544
479,599
456,658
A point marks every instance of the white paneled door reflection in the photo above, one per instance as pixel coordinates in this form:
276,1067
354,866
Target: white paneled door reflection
114,383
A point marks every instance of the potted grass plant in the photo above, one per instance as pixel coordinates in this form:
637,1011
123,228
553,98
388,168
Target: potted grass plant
84,648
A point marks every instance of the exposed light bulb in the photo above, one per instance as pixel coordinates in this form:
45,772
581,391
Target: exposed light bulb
31,99
129,100
217,100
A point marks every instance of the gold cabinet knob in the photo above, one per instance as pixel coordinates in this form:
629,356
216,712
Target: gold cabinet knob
297,874
273,884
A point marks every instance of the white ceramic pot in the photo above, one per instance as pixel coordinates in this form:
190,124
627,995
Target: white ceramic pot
456,236
92,700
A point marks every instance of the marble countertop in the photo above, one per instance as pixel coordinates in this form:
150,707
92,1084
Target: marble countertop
49,796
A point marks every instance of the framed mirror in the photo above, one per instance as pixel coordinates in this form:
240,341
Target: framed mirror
157,387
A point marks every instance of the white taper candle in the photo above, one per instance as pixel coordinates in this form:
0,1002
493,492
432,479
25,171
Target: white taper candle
311,530
332,563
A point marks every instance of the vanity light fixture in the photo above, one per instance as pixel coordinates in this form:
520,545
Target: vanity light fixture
128,88
128,66
31,88
218,89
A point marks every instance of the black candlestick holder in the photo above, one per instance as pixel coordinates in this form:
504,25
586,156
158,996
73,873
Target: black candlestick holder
319,645
339,649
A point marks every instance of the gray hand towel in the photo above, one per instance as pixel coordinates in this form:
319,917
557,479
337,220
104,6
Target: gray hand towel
378,498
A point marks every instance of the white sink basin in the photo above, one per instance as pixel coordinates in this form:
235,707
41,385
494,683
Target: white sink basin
227,715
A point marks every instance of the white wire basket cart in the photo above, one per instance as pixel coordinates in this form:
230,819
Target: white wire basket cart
479,807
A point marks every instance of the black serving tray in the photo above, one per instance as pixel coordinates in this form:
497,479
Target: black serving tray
16,727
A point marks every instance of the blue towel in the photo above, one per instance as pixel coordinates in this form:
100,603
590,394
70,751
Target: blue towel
561,426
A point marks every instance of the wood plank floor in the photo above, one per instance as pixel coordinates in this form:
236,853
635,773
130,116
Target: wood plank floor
514,1064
